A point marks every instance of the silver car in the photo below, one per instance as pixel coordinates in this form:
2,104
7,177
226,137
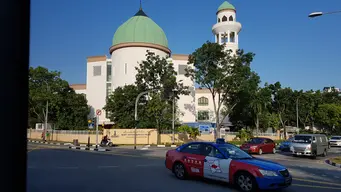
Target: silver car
310,145
335,141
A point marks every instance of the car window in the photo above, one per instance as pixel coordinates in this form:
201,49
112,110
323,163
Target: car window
336,138
192,149
256,141
234,152
209,150
268,141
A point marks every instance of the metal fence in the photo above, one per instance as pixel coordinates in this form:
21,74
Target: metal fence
71,132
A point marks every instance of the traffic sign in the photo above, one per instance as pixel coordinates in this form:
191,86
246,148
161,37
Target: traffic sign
98,112
91,125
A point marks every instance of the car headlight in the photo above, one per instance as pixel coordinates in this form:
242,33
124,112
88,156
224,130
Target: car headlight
268,173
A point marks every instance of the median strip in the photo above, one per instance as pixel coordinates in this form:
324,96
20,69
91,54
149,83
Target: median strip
89,149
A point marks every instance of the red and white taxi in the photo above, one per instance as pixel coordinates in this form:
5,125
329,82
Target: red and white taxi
226,162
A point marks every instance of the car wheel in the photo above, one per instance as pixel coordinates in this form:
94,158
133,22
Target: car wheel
110,144
179,171
324,153
314,155
246,182
274,150
260,151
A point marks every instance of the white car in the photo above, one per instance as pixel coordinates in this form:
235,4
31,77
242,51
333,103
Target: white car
335,141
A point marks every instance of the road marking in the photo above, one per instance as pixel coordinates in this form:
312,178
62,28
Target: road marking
320,182
108,166
337,177
67,167
316,186
150,165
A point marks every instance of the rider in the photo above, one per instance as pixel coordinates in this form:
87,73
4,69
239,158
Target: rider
105,139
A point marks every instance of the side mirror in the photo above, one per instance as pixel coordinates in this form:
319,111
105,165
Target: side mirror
219,156
314,141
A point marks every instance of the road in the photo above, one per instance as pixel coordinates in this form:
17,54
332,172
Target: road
60,169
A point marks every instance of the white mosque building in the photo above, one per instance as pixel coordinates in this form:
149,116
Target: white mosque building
129,45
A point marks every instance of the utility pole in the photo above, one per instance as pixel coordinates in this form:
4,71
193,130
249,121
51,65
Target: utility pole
297,113
173,119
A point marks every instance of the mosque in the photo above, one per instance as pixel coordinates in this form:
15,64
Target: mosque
129,45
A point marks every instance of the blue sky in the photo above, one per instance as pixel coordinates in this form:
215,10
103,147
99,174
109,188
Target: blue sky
299,52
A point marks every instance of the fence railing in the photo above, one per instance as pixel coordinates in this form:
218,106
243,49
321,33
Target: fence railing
71,132
254,134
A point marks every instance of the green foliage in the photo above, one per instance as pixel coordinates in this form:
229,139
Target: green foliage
155,73
223,73
66,109
329,115
191,131
244,135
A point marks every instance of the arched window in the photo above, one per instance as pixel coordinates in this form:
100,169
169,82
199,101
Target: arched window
224,18
203,101
231,18
218,20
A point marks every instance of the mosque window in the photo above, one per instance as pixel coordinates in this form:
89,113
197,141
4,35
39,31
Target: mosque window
109,72
224,18
224,38
125,68
203,101
231,18
203,116
232,37
218,20
97,70
182,69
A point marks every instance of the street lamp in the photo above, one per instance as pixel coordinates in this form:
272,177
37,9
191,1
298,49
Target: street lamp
317,14
136,103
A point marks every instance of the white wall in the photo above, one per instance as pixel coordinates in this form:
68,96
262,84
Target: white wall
96,89
186,103
210,107
80,91
131,57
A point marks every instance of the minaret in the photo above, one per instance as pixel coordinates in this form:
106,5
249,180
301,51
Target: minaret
227,28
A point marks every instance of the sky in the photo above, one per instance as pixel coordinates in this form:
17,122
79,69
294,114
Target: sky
300,52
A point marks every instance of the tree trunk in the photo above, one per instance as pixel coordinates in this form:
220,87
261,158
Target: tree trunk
257,125
217,125
284,127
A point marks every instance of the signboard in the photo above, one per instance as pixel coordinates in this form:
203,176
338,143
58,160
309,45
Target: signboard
90,125
98,112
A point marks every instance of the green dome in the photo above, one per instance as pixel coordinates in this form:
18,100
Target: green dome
226,5
140,29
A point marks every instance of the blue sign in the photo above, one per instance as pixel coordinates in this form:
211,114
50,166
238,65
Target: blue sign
91,125
204,129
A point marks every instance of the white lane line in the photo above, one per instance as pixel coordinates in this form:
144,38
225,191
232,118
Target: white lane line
337,177
108,166
67,167
323,175
148,165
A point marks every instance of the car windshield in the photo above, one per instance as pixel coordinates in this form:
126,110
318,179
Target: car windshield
302,139
255,141
234,152
336,138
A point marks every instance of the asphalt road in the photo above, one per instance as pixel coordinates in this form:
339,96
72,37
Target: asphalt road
60,169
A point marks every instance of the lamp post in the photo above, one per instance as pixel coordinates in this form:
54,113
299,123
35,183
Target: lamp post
136,119
319,13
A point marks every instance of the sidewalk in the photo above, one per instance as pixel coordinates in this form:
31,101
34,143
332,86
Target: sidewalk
70,145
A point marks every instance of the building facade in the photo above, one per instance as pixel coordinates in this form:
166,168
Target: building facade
129,45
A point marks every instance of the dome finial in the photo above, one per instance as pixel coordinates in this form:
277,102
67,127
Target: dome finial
140,4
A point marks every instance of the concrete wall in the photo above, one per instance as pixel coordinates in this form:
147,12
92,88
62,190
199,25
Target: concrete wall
126,136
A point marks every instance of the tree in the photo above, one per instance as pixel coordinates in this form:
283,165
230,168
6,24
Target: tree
191,131
66,109
155,73
260,101
222,73
329,115
281,103
121,107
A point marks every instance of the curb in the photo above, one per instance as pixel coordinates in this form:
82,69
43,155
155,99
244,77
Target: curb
333,164
50,143
88,149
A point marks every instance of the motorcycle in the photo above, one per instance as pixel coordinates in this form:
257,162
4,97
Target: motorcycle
106,143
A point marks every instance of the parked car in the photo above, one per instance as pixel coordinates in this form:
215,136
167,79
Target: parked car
335,141
312,145
226,162
285,145
259,145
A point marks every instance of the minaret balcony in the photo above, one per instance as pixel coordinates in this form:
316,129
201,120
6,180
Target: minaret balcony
226,26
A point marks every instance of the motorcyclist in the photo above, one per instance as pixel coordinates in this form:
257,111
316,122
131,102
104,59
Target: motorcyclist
105,139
